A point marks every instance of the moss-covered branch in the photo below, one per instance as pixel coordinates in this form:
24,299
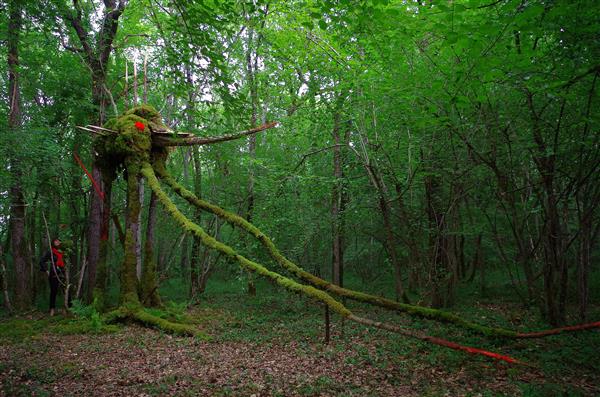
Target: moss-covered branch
137,313
229,252
236,220
292,285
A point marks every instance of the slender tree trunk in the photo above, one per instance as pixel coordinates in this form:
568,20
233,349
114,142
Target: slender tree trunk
150,295
93,234
74,220
390,238
18,244
100,272
4,280
129,281
438,241
587,204
185,246
338,204
30,227
555,268
138,235
251,78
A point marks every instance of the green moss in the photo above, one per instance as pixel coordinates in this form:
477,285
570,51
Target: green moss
129,281
14,330
117,315
147,112
149,282
83,326
235,220
18,329
148,319
138,314
128,141
209,241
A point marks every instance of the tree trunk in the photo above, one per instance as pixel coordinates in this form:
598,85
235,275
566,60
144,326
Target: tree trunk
150,295
138,235
18,244
93,235
96,55
438,242
98,276
129,281
184,265
555,265
338,204
251,78
4,281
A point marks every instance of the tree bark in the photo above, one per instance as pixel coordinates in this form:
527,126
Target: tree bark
251,59
4,281
150,295
338,204
18,244
96,57
129,280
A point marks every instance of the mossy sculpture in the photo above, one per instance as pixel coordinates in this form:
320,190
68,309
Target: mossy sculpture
137,143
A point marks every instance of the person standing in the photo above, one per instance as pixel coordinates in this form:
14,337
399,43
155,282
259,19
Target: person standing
55,272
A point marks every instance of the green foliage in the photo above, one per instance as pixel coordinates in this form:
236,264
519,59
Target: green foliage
88,312
88,321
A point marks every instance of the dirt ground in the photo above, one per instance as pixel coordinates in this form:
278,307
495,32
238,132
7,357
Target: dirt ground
142,362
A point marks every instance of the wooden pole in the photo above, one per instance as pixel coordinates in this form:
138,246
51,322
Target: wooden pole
135,85
126,84
145,98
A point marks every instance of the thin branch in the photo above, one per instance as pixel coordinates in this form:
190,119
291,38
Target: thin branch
95,127
594,69
315,152
90,130
168,141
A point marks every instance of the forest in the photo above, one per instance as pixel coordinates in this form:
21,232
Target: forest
300,198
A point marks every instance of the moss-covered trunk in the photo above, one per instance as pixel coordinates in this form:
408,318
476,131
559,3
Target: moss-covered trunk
149,282
129,282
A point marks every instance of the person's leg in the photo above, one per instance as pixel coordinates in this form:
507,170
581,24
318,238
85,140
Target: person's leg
53,292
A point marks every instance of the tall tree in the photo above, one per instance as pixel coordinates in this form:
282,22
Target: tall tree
18,243
95,48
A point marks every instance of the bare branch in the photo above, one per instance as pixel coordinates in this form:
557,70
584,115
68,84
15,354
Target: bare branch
101,128
304,157
169,141
90,130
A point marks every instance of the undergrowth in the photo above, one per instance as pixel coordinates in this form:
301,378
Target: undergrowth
84,320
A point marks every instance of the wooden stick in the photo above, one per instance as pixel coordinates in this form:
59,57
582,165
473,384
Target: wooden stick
126,85
89,130
80,282
167,141
555,331
100,128
432,339
135,85
145,99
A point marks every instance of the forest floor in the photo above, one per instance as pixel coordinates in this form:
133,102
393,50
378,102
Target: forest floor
272,345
